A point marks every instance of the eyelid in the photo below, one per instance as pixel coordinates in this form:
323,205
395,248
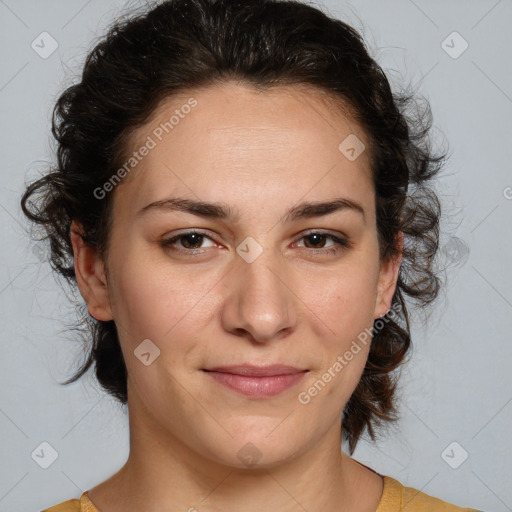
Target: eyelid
302,234
166,240
314,231
341,240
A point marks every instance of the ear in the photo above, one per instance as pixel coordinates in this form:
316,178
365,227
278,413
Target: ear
388,277
90,275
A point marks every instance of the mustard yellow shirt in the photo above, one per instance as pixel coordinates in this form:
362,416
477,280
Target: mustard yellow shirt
395,498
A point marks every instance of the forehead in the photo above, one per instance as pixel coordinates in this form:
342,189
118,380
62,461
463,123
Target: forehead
234,139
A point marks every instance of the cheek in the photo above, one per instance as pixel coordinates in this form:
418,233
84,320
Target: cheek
151,299
343,300
344,308
170,307
150,304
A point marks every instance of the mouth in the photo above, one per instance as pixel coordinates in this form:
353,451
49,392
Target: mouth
257,381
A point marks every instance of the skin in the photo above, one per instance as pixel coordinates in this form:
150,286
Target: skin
260,153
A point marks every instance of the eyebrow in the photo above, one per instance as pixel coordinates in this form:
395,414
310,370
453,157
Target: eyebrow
219,210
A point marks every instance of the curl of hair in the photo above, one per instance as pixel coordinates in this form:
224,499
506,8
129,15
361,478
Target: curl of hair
181,44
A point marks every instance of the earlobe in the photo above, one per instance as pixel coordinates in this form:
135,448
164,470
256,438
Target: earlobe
387,280
90,275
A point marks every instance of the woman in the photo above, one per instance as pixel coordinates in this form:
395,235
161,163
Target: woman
243,205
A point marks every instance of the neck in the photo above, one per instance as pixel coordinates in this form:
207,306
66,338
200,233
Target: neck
164,473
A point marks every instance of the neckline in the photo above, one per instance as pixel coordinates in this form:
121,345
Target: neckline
389,499
86,505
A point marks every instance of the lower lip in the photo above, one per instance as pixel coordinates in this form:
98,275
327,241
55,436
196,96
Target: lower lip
258,387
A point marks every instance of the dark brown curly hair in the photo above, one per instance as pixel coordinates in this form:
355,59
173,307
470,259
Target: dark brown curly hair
181,44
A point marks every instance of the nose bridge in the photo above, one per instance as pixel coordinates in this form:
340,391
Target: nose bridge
260,302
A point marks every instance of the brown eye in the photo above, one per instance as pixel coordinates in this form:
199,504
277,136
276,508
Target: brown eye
191,239
316,243
316,240
190,242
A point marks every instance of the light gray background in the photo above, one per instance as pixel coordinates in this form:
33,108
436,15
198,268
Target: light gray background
458,385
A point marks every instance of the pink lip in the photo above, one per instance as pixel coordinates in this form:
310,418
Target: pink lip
258,382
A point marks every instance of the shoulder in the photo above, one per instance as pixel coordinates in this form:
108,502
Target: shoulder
66,506
83,504
396,497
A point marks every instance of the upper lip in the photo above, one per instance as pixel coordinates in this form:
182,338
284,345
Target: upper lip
258,371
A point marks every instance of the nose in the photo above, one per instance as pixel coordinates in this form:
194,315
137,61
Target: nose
260,304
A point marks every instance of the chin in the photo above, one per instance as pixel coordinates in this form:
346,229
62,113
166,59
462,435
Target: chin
257,452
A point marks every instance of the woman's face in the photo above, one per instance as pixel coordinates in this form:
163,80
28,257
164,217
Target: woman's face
263,281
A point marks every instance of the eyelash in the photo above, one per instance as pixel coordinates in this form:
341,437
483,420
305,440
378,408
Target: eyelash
342,243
